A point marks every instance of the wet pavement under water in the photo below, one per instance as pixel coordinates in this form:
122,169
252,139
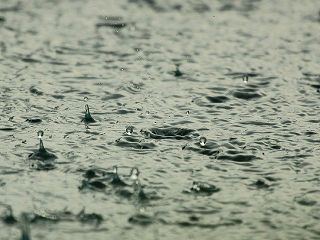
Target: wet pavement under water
154,77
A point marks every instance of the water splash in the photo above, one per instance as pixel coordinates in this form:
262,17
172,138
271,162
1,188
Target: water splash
202,141
25,227
87,116
129,130
41,153
245,79
137,188
203,188
177,72
116,181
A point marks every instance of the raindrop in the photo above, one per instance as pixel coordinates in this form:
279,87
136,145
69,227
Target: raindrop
40,134
129,130
86,99
203,141
188,112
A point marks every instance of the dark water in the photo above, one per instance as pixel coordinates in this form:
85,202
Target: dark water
243,74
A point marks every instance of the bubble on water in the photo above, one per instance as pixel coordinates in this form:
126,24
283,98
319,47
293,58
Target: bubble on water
40,134
129,130
86,99
203,141
245,78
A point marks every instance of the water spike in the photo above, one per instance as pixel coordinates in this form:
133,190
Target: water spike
115,170
87,116
177,72
86,107
41,154
40,134
134,173
129,130
25,228
41,146
245,78
202,141
116,179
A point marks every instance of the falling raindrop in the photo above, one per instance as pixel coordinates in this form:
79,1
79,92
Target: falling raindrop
203,141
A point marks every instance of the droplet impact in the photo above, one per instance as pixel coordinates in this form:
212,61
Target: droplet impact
177,72
203,141
134,173
87,116
40,134
41,154
129,130
86,99
245,78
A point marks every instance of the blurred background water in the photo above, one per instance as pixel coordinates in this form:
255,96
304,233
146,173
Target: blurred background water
157,76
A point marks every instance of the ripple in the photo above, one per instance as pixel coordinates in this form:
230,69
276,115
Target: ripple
218,99
247,94
170,133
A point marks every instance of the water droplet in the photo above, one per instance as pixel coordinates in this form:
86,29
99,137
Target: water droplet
40,134
129,130
203,141
86,99
188,112
121,69
245,78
